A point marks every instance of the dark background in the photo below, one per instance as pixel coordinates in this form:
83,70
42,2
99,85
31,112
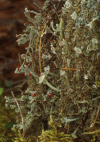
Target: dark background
12,21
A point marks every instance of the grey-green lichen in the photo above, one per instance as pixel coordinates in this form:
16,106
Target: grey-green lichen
61,64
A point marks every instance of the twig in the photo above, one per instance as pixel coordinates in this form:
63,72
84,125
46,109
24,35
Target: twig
4,131
15,87
7,115
97,113
13,82
12,88
40,54
39,36
20,112
6,58
69,69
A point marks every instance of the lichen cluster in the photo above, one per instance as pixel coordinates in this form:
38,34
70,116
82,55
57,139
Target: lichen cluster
61,64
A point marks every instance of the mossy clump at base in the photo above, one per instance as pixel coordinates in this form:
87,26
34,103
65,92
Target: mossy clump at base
53,136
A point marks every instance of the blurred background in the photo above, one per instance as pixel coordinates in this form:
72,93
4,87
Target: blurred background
12,21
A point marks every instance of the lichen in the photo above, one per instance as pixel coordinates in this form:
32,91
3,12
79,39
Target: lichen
61,64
